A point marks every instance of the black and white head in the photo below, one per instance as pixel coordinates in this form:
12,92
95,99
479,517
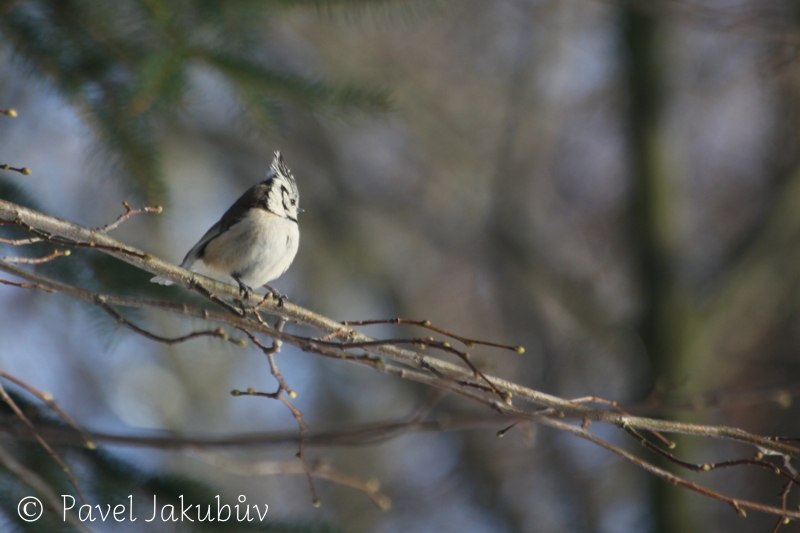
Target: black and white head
282,196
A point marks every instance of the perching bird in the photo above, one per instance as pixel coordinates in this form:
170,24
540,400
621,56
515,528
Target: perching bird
256,240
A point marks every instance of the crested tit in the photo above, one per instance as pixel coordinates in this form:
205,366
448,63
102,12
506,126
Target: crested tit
256,240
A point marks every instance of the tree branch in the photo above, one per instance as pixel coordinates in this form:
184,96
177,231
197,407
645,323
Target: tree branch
382,356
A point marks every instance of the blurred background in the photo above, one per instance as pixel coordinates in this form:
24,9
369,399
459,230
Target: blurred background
613,185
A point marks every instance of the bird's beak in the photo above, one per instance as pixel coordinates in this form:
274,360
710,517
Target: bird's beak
301,210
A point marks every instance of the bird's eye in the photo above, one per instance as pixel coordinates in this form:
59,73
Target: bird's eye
293,201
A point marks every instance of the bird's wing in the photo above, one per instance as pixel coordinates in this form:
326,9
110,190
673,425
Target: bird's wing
234,214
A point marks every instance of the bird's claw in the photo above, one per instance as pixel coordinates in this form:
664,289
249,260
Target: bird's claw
244,291
277,296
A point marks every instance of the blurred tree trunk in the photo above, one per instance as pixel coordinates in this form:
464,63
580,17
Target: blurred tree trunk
648,254
650,221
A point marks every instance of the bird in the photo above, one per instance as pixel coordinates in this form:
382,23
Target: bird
256,239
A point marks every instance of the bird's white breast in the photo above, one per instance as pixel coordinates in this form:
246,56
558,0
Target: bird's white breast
258,248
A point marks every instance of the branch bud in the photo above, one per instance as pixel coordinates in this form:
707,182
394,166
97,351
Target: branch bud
372,485
384,503
784,399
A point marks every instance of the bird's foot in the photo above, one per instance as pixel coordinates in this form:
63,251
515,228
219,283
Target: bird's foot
245,291
276,295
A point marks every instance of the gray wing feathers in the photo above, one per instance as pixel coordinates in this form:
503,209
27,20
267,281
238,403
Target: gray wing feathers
252,197
233,215
197,251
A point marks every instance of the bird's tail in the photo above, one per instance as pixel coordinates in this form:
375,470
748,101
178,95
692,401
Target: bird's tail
160,281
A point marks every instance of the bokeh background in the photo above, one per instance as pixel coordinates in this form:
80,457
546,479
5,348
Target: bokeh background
613,185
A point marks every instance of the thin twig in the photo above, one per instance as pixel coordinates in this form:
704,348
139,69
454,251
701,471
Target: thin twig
44,236
47,398
201,289
363,435
129,212
31,479
586,421
469,343
301,441
37,260
20,242
783,496
707,467
320,469
17,411
26,285
218,333
614,405
25,171
738,505
422,344
301,453
343,333
270,352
